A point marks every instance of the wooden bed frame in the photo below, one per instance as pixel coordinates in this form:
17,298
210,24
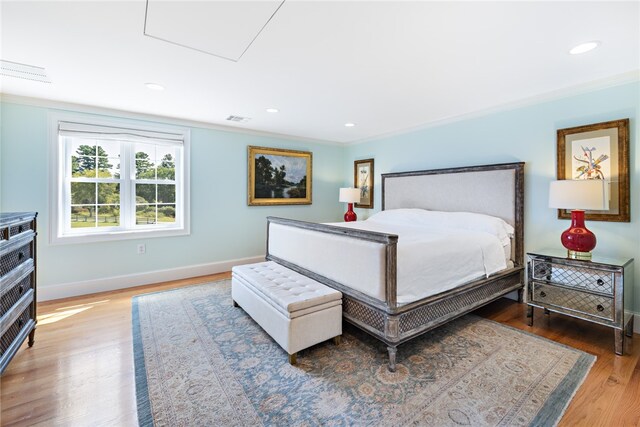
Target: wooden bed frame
496,190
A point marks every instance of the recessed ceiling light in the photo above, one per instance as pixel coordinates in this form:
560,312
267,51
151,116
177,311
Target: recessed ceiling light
272,110
349,125
154,86
584,47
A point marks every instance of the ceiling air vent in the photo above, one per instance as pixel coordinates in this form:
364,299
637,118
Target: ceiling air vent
23,71
238,119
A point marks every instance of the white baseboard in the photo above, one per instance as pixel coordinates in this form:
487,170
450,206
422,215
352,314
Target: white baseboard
65,290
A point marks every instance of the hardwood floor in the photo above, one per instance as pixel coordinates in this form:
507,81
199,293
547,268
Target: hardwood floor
80,370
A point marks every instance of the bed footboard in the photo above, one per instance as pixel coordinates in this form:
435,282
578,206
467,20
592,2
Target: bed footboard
356,262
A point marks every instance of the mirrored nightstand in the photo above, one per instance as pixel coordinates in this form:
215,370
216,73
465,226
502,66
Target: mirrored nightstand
599,290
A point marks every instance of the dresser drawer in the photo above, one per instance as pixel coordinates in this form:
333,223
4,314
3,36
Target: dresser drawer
15,257
11,231
589,279
14,293
24,320
571,300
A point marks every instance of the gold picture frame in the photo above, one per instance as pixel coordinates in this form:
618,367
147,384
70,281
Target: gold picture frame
598,151
278,176
363,179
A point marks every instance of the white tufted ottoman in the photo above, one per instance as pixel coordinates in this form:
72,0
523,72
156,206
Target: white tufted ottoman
295,310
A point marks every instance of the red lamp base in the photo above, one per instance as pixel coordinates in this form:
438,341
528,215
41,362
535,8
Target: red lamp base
350,215
577,239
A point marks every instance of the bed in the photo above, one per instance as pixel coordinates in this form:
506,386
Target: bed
363,263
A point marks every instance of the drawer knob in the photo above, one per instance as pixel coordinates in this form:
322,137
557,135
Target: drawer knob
543,294
20,289
600,282
600,307
20,255
20,229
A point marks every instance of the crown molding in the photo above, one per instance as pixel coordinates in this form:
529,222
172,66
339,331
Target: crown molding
617,80
104,111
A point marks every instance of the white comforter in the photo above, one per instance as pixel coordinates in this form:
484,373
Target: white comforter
435,259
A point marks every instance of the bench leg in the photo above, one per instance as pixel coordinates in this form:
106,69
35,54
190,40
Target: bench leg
293,358
336,340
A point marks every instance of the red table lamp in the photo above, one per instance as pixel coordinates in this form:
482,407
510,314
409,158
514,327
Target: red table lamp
350,196
578,195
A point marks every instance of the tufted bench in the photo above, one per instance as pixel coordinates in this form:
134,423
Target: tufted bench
296,311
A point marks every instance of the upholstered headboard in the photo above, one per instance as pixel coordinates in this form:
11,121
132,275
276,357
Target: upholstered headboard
496,190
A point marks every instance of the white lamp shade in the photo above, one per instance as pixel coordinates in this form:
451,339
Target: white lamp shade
350,195
587,194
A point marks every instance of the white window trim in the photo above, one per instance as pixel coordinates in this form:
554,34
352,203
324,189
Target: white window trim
56,178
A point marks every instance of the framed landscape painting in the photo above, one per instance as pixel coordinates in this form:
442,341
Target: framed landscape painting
598,151
363,180
279,177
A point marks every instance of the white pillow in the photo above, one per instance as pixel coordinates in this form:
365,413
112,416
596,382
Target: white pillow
454,220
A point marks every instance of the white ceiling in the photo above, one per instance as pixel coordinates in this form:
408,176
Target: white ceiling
386,66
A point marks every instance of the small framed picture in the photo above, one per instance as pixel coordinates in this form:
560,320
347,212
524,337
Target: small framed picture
598,151
279,177
363,180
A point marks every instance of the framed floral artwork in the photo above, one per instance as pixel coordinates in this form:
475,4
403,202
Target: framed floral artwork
598,151
363,180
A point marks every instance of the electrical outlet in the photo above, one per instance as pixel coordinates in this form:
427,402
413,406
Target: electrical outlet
142,248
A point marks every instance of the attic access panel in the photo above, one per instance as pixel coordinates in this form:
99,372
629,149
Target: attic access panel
221,28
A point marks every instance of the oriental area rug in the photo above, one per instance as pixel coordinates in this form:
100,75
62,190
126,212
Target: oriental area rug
201,361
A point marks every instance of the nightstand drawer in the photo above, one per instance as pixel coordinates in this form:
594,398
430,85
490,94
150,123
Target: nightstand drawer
571,300
590,278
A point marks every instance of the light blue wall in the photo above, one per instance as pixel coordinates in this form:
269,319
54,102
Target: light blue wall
524,134
223,227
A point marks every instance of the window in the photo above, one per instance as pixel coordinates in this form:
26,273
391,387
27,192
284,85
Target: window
117,181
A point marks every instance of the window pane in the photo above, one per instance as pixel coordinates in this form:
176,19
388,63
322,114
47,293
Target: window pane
145,193
83,216
145,214
83,166
83,157
166,161
145,161
108,148
108,167
166,172
83,147
145,169
109,193
166,193
108,216
166,213
83,193
148,149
